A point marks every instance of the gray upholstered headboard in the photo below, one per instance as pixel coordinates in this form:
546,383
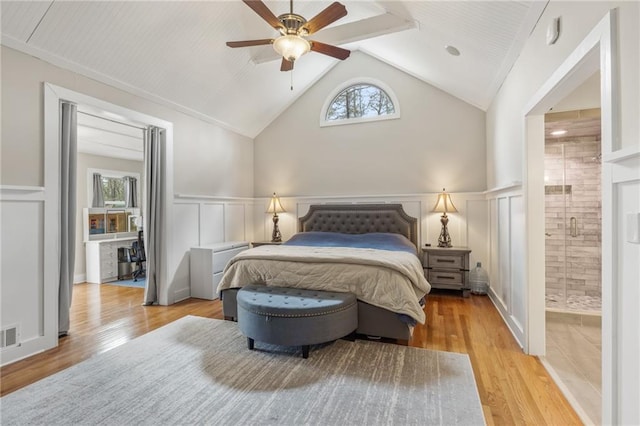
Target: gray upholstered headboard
360,219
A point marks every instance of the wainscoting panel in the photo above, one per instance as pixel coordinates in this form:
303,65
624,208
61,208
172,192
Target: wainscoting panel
418,206
205,220
621,292
28,272
506,252
476,230
211,223
517,262
235,222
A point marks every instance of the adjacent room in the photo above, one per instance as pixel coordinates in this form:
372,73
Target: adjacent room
316,212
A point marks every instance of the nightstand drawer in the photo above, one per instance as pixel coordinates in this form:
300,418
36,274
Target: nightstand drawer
435,276
446,261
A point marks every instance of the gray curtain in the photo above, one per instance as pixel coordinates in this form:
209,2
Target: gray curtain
154,158
68,161
98,193
130,191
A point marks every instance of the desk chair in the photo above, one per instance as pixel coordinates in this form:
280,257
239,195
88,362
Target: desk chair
138,256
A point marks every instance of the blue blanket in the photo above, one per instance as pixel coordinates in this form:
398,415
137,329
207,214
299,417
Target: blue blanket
374,240
378,240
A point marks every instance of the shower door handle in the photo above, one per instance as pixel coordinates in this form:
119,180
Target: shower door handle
573,227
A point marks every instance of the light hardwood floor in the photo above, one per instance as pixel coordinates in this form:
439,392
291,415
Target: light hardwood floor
514,388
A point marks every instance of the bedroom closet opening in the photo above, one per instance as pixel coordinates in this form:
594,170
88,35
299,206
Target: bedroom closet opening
573,253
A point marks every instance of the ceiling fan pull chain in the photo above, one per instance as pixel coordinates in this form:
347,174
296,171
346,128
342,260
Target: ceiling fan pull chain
291,80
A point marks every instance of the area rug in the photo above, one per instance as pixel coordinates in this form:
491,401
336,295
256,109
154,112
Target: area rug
129,283
199,371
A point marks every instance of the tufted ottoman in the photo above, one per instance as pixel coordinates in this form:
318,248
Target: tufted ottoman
295,317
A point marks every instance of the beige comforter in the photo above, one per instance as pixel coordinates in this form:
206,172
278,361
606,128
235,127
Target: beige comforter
391,280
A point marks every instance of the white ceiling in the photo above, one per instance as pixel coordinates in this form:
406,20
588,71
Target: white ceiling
174,52
108,138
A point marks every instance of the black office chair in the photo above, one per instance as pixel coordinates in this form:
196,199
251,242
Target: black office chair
138,256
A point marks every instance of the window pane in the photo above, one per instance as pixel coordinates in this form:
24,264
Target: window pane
360,100
113,189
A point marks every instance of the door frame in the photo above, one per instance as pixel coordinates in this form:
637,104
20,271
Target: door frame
53,95
598,51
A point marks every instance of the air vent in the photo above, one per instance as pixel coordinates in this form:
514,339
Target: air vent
9,337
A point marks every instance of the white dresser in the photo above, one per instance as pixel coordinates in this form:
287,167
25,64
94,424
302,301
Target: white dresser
102,259
207,263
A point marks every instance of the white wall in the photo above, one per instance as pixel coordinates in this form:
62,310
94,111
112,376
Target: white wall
439,141
536,64
505,166
208,161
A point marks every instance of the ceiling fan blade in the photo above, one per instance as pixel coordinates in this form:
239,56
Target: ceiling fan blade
247,43
329,50
261,9
286,65
329,15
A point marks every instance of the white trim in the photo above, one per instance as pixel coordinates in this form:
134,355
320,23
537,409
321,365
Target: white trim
597,50
351,82
107,109
21,188
515,185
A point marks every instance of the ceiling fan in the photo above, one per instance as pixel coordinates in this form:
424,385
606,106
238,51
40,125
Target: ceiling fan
293,29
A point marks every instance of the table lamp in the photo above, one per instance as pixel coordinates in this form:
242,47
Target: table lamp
444,205
275,207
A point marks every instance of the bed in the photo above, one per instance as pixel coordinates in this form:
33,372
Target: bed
367,249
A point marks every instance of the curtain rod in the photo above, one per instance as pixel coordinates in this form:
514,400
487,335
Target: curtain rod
113,121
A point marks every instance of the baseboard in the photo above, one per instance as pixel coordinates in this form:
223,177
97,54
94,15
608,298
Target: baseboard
182,294
512,325
79,278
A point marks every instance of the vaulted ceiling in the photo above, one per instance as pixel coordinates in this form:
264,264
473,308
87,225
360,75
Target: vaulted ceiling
174,52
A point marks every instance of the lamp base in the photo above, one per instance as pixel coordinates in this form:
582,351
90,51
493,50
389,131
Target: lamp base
276,237
444,240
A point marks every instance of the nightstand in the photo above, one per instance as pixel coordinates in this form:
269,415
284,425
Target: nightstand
447,268
264,243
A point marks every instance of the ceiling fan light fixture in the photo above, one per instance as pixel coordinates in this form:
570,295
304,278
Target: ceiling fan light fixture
291,47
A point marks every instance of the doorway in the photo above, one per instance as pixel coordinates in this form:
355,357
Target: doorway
573,253
597,52
53,98
110,162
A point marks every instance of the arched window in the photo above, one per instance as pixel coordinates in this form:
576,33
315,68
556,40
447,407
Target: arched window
359,100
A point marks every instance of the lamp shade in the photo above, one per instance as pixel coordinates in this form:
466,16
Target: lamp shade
444,204
291,47
274,205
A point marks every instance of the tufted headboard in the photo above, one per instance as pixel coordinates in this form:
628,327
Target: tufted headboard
360,219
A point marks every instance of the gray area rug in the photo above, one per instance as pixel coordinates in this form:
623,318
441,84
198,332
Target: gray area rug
199,371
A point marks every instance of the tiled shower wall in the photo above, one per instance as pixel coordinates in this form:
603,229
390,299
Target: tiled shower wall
581,164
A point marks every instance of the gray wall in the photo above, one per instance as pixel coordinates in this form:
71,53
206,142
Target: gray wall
208,160
439,141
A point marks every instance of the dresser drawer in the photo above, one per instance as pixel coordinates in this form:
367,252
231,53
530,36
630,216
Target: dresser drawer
108,251
446,261
108,269
435,276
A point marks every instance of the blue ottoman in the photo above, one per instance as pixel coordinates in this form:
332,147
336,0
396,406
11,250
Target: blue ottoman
295,317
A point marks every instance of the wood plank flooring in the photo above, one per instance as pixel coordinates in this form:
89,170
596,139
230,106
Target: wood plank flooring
514,388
